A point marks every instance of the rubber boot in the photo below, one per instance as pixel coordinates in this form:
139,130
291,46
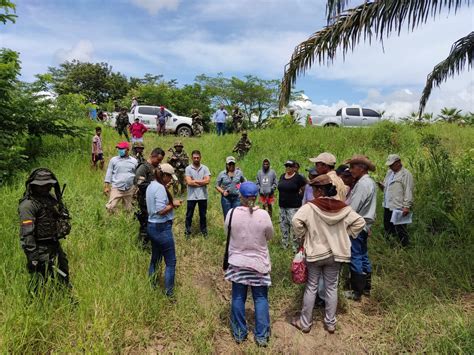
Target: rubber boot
368,284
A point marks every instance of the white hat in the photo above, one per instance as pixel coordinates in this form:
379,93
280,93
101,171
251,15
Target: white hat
230,159
392,158
326,158
168,169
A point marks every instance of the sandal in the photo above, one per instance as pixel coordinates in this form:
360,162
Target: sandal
296,322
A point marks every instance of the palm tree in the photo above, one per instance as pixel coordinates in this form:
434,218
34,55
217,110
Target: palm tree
450,114
375,20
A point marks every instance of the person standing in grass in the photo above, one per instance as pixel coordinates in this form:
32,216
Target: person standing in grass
97,152
137,130
227,184
144,175
160,206
324,164
363,200
197,177
219,118
290,186
321,226
267,184
120,175
398,195
161,118
122,123
249,264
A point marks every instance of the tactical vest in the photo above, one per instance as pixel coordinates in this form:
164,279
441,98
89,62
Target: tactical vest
47,226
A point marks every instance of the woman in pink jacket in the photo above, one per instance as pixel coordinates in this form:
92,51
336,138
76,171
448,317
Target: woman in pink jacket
249,264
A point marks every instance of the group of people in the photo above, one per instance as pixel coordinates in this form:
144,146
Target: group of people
220,117
329,215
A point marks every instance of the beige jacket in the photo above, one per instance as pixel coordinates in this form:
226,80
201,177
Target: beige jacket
399,194
326,233
341,188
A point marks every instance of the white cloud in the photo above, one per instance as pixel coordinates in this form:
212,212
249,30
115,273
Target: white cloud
82,51
153,6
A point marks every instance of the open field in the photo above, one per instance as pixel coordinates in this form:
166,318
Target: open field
422,299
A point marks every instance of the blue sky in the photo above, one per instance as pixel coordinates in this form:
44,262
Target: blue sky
183,38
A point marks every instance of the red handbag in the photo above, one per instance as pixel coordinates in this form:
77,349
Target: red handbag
299,271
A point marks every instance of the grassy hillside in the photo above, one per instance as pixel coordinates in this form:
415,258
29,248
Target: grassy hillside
422,298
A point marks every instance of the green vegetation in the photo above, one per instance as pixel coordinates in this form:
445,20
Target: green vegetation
422,299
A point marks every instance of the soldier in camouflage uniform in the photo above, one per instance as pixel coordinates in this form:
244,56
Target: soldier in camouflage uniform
44,220
237,118
122,123
243,145
197,123
179,160
144,175
137,152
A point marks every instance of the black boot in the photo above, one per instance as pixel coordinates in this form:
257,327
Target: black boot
358,284
368,284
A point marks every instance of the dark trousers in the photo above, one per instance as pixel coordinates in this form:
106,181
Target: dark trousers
202,205
400,230
124,131
220,128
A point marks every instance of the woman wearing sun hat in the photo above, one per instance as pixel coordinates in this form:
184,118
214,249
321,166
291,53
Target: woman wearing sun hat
249,263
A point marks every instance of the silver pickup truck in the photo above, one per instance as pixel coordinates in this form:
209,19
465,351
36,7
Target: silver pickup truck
180,125
348,117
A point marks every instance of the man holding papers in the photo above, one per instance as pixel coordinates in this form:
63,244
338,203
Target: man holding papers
397,199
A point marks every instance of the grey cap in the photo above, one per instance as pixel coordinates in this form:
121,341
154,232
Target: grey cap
392,158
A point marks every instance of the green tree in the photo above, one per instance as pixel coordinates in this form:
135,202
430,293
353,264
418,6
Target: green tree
6,8
95,81
376,20
450,114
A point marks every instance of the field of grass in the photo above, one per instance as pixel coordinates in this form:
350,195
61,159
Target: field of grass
422,297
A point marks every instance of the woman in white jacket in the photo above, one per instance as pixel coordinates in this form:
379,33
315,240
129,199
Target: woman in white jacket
322,226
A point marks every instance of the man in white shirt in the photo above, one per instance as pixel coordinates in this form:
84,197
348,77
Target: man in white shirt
219,118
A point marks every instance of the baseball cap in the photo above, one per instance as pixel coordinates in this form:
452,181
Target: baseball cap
123,145
248,189
291,163
168,169
312,171
392,158
230,159
325,158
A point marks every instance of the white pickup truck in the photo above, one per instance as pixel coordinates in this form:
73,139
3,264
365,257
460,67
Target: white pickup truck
180,125
348,117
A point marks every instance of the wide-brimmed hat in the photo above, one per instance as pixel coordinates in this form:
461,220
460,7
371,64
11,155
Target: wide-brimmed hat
43,177
392,158
178,144
123,145
321,180
361,159
325,158
168,169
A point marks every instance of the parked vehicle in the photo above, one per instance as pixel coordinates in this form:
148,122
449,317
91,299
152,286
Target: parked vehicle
348,117
180,125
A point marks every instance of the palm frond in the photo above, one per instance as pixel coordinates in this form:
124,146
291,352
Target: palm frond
335,7
460,56
371,20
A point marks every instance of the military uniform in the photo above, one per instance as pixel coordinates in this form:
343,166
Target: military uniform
137,152
121,124
237,118
243,145
179,161
44,220
144,175
197,123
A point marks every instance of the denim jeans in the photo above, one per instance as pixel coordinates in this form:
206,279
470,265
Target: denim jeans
360,263
220,128
162,245
262,314
229,202
191,205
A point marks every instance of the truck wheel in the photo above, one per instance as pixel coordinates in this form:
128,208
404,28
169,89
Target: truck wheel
184,131
331,125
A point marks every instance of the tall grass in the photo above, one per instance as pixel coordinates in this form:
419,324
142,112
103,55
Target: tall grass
422,295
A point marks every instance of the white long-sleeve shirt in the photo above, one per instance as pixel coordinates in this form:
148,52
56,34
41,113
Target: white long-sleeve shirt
363,200
121,172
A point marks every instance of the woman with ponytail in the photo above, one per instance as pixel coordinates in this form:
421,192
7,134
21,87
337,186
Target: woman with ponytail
249,263
322,226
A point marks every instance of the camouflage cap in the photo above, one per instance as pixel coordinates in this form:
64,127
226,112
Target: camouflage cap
138,145
244,133
178,144
43,177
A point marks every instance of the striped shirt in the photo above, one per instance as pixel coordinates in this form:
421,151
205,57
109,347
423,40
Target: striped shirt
247,277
